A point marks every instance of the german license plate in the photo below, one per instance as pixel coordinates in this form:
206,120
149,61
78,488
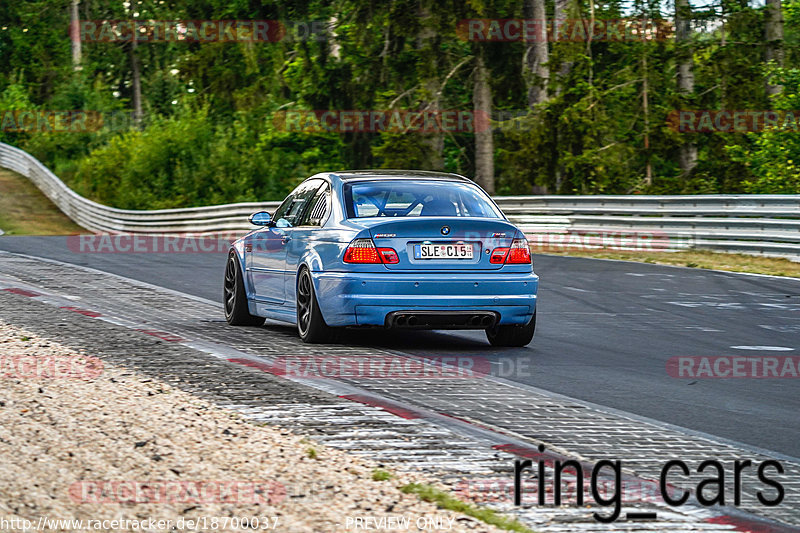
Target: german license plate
443,251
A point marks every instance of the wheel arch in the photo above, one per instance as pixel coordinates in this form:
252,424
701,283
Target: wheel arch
312,263
237,249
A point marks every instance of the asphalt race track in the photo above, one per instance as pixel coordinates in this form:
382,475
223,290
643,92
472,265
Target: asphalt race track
605,332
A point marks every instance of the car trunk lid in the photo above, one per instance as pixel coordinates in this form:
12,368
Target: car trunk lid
452,243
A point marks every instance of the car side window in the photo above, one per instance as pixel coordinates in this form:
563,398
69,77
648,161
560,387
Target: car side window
291,210
281,211
319,207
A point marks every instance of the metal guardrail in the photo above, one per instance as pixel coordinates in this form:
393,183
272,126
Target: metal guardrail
752,224
101,218
755,224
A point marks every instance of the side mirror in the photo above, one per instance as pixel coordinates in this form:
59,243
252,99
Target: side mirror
262,218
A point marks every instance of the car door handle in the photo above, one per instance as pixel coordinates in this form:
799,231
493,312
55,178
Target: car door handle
285,239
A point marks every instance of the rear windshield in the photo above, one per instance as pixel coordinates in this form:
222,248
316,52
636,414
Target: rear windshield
405,198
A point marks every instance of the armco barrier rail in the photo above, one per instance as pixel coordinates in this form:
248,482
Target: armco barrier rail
755,224
100,218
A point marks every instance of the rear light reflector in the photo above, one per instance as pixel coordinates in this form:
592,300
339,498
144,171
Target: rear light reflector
498,256
363,251
388,255
519,253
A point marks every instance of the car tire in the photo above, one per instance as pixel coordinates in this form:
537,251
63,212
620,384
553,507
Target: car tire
310,325
234,297
517,336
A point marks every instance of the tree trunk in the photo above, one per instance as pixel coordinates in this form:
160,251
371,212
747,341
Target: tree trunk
648,175
536,71
773,35
334,47
589,39
560,15
75,34
136,84
683,11
684,52
723,78
560,9
426,40
484,141
434,140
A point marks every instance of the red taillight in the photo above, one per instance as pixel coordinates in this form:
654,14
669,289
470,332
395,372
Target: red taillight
519,253
361,255
388,255
363,251
498,256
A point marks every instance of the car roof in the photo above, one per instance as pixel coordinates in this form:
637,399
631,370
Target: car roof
350,175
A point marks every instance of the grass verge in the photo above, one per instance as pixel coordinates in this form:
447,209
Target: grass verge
447,502
381,475
774,266
24,210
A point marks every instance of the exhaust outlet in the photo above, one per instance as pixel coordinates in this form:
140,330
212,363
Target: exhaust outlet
444,319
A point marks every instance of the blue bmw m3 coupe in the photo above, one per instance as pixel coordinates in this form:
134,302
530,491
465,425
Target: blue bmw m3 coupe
384,248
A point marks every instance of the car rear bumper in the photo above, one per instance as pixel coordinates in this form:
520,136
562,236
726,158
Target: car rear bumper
365,299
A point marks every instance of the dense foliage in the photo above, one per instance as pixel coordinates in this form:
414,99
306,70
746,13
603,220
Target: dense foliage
211,129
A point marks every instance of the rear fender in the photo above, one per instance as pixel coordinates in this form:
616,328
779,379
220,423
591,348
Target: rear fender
311,261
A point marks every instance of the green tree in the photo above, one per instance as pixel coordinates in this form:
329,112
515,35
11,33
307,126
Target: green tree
773,156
